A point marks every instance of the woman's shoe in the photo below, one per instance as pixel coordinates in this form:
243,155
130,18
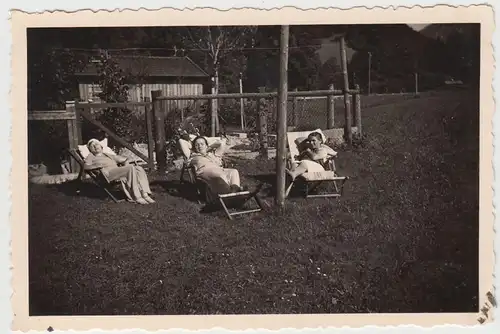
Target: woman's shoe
142,201
149,199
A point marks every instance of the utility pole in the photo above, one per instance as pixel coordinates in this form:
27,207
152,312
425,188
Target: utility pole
369,72
347,98
416,77
242,106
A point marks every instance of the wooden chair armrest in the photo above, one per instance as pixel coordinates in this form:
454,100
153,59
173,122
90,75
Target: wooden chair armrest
95,169
133,162
137,162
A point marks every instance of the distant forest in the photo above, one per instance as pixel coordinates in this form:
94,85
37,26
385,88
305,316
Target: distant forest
437,53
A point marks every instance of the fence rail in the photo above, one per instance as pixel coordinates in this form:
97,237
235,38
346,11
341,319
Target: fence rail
259,95
103,105
51,115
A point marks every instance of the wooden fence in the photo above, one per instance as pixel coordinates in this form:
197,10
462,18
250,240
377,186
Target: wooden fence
157,109
159,104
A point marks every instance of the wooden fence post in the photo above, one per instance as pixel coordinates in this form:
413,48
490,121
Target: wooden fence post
347,98
148,116
262,125
78,124
73,139
295,110
330,121
242,104
357,111
281,119
160,144
214,115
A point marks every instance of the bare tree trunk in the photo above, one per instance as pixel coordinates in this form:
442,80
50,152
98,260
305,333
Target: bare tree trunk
216,101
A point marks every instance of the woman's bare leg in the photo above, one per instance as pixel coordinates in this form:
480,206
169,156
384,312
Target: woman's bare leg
299,170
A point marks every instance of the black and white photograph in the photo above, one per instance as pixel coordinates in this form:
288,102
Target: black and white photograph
254,169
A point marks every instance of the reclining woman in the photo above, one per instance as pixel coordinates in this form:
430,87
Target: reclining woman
115,167
207,163
313,154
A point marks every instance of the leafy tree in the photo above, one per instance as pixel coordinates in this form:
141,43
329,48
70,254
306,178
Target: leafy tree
114,82
218,44
331,73
263,59
51,78
304,62
464,54
51,82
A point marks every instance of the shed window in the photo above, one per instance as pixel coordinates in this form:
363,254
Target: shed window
94,91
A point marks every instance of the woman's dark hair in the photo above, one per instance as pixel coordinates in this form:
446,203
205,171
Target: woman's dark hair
194,140
317,135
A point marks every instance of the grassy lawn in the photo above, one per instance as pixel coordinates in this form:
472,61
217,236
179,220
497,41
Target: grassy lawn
404,238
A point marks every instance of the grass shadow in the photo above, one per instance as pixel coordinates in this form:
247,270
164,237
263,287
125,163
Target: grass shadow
177,188
269,181
270,186
77,188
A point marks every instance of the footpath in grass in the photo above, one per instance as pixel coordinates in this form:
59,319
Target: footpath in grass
404,238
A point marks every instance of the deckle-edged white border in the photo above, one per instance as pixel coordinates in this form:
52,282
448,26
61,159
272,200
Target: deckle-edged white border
123,4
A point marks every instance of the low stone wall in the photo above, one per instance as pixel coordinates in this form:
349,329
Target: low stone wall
335,136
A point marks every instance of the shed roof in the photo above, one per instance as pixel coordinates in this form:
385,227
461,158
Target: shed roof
152,66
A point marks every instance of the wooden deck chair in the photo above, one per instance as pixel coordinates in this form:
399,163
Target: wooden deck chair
99,178
313,179
231,203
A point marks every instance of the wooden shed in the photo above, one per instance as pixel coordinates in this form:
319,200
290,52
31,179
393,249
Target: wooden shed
171,75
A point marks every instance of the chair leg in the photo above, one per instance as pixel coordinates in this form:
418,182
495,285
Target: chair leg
246,197
336,186
225,208
183,169
259,201
287,191
338,192
113,197
314,186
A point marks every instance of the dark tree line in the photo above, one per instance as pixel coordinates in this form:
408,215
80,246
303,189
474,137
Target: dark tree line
397,52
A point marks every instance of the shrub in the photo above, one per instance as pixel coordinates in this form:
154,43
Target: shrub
252,115
122,121
47,143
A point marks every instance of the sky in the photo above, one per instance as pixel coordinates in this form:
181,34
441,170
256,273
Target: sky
418,27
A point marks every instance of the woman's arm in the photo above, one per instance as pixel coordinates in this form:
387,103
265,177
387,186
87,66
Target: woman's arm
328,150
120,159
89,163
305,154
220,147
185,147
322,153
